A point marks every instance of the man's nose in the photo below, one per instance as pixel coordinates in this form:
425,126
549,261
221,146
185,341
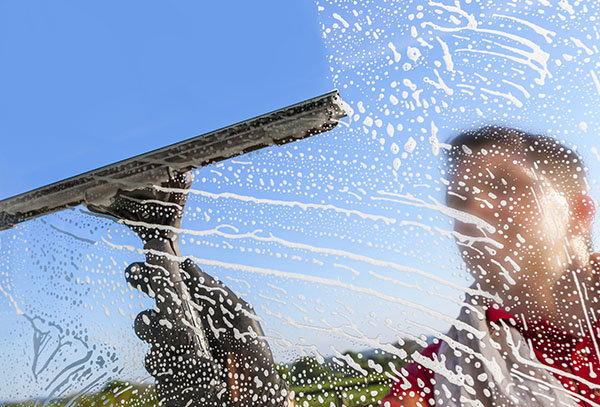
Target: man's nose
479,205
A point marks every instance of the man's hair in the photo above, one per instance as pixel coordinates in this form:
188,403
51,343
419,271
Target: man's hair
555,161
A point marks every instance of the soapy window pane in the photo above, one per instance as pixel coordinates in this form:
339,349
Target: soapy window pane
384,261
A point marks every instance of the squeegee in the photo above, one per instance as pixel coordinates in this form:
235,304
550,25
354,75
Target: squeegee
99,189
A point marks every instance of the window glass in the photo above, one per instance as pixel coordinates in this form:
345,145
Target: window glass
436,246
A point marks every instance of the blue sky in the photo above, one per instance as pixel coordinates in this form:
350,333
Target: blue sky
85,85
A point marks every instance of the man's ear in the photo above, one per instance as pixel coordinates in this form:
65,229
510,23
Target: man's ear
584,210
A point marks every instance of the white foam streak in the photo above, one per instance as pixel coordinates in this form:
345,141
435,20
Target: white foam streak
278,202
315,249
536,58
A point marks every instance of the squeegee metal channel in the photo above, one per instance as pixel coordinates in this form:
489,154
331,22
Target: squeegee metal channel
282,126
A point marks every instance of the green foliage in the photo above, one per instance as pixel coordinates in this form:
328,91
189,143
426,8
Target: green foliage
115,393
313,383
309,368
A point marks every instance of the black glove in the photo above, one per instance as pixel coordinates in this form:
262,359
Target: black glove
241,372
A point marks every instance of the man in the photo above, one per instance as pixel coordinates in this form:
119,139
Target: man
523,222
523,227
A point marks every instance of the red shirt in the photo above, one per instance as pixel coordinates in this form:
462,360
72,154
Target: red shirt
552,346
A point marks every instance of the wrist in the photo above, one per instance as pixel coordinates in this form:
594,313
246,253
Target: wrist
166,245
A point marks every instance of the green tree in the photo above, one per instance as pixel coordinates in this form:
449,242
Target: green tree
309,369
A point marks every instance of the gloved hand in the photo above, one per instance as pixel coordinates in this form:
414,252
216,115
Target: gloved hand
242,372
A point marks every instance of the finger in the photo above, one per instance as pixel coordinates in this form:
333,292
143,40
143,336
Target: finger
159,360
194,274
151,280
215,301
168,364
138,275
143,325
173,394
153,328
202,284
219,305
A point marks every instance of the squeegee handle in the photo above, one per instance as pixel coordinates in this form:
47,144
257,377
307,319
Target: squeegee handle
172,295
191,319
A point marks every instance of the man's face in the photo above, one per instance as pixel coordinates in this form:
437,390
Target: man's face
530,217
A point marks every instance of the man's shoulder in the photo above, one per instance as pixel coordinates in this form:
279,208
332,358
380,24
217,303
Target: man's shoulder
416,381
431,349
